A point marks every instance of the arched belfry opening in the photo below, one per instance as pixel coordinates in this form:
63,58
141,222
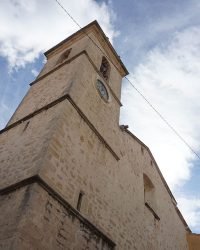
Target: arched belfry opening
105,68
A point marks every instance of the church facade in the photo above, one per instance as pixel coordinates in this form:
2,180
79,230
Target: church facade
71,176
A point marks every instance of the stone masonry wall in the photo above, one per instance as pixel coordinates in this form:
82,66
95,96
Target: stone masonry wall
12,208
23,147
113,199
43,223
114,190
169,232
85,94
47,90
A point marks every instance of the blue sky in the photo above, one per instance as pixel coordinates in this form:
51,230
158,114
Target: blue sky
159,42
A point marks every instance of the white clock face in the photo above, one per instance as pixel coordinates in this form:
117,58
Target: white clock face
102,90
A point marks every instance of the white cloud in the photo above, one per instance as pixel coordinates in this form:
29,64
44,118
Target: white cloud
34,72
190,207
31,27
169,78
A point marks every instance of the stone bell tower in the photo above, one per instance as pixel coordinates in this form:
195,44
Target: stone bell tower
55,146
70,176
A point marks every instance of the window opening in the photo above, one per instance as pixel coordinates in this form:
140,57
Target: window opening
149,196
80,198
64,56
148,189
105,68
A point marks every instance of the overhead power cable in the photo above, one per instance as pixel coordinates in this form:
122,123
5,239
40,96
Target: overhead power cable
136,89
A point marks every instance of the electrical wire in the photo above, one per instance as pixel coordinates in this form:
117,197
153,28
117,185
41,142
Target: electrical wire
136,89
